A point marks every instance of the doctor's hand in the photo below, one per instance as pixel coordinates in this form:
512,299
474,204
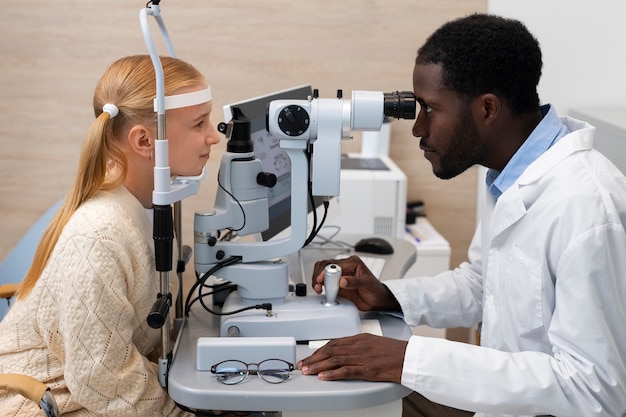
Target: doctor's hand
357,284
364,356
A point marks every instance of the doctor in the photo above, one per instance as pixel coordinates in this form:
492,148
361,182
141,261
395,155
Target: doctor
546,274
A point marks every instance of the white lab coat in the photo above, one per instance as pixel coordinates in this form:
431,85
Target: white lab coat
547,278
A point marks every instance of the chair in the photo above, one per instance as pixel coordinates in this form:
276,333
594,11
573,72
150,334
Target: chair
12,270
14,267
32,389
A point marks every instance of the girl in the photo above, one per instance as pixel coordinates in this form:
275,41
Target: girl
79,324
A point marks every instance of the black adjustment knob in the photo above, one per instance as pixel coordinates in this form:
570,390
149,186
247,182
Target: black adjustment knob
293,120
158,313
266,179
300,289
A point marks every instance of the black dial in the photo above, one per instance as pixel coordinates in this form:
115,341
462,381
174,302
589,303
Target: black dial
293,120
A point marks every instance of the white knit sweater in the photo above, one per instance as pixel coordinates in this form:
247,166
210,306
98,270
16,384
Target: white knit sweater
82,330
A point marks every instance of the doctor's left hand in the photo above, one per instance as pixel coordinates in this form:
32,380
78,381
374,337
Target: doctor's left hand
364,356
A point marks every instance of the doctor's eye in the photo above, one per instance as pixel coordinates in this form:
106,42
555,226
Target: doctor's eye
424,106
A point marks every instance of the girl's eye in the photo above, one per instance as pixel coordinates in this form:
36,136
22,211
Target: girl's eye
200,124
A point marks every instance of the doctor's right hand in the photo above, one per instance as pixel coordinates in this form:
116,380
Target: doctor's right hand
358,285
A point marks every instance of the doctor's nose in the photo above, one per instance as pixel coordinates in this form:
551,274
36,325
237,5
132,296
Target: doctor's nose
420,127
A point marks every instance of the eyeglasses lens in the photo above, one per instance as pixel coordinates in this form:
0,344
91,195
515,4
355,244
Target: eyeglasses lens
274,371
233,372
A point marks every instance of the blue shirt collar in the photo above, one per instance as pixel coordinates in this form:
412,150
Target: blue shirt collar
546,134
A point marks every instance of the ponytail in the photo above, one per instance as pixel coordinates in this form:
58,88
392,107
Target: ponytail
91,177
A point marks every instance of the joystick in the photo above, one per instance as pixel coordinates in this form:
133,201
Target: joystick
332,274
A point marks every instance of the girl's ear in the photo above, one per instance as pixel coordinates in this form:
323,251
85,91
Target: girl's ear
141,141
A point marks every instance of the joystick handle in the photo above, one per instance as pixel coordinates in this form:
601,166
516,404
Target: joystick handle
332,274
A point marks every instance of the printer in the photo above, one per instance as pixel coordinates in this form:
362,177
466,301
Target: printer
372,196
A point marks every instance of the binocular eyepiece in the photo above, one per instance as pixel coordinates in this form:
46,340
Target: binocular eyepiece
365,111
399,104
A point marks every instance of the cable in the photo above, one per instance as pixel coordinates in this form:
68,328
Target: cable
201,283
226,262
315,229
264,306
209,413
326,205
243,212
227,286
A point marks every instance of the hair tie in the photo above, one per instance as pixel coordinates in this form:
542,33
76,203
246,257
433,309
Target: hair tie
111,109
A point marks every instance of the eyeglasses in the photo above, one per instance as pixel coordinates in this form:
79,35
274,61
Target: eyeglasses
232,372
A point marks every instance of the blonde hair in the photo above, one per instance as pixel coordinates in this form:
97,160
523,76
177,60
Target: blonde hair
130,84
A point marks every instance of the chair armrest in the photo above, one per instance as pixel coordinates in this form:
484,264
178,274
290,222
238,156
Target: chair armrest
8,290
24,385
32,389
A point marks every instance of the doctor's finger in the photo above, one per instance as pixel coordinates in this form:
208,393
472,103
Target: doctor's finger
344,372
320,363
334,348
349,266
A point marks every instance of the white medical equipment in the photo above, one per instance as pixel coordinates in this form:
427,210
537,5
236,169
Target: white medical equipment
310,128
167,190
316,126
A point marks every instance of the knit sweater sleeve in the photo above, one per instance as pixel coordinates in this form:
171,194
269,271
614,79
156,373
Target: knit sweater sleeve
93,336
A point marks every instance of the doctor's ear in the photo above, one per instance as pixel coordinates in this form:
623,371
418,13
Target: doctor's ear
489,105
141,141
486,110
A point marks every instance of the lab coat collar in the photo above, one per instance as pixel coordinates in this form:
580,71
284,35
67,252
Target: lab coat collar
580,138
512,205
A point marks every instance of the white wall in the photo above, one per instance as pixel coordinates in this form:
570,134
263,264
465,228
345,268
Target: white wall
583,44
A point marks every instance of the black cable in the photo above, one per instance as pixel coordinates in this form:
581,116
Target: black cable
226,262
243,212
209,413
264,306
200,283
314,229
326,204
227,286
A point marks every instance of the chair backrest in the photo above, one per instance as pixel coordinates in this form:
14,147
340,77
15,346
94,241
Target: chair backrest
14,267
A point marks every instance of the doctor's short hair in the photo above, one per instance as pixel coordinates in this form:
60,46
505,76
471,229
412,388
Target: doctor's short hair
483,53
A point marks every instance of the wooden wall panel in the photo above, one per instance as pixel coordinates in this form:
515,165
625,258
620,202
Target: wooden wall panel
53,56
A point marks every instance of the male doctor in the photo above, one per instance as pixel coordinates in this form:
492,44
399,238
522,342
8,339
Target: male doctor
546,274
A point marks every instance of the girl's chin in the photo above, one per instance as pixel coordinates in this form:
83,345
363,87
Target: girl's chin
189,173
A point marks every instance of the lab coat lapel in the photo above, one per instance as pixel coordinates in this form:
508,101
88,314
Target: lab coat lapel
507,211
513,204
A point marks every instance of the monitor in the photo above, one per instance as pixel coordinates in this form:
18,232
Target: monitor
273,158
